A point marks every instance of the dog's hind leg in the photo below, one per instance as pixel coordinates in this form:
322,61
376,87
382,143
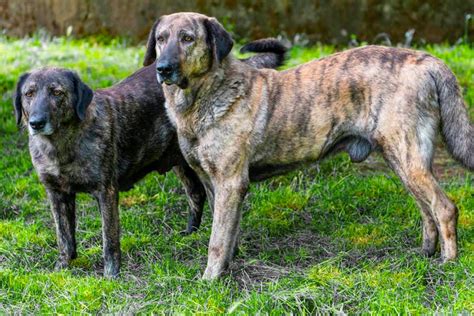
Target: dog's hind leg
63,207
439,214
210,196
195,194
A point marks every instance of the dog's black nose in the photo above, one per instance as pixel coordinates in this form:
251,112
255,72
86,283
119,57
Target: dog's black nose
37,124
164,68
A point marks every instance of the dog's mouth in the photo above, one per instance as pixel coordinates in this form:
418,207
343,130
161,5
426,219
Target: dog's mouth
174,78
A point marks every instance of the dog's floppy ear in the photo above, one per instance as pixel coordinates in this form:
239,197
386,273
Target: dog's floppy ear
150,54
17,97
218,39
82,95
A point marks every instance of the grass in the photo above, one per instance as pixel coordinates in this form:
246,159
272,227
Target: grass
334,237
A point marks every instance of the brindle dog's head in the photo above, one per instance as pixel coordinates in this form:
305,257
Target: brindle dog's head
50,97
186,46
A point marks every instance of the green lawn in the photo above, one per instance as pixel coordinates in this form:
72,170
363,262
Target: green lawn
330,238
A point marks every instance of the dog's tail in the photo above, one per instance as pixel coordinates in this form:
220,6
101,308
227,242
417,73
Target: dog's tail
457,130
271,53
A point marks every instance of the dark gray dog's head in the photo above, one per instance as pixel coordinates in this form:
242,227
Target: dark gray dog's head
47,98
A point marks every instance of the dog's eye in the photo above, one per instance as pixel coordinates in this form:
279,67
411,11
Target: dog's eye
29,93
57,92
188,39
160,39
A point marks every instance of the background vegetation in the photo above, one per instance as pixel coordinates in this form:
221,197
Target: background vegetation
335,237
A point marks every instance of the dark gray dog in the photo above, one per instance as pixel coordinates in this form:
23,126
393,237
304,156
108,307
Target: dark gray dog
103,142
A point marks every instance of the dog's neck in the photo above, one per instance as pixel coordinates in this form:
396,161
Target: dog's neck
62,145
208,97
57,146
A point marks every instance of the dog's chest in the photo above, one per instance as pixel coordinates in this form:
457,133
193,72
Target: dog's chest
189,145
75,174
199,152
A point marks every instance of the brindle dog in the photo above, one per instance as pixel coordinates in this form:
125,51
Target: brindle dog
236,123
103,142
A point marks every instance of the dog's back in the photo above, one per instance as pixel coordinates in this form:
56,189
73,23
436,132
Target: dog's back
143,129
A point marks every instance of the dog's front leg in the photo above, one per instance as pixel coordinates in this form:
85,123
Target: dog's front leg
63,207
229,193
108,204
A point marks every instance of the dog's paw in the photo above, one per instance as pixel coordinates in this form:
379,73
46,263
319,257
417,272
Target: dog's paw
188,231
111,271
446,260
193,225
427,251
209,275
111,275
61,264
213,273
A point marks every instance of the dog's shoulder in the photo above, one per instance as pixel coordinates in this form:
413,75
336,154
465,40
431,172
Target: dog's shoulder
232,86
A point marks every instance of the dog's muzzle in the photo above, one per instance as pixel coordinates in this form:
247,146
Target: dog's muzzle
39,125
167,72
